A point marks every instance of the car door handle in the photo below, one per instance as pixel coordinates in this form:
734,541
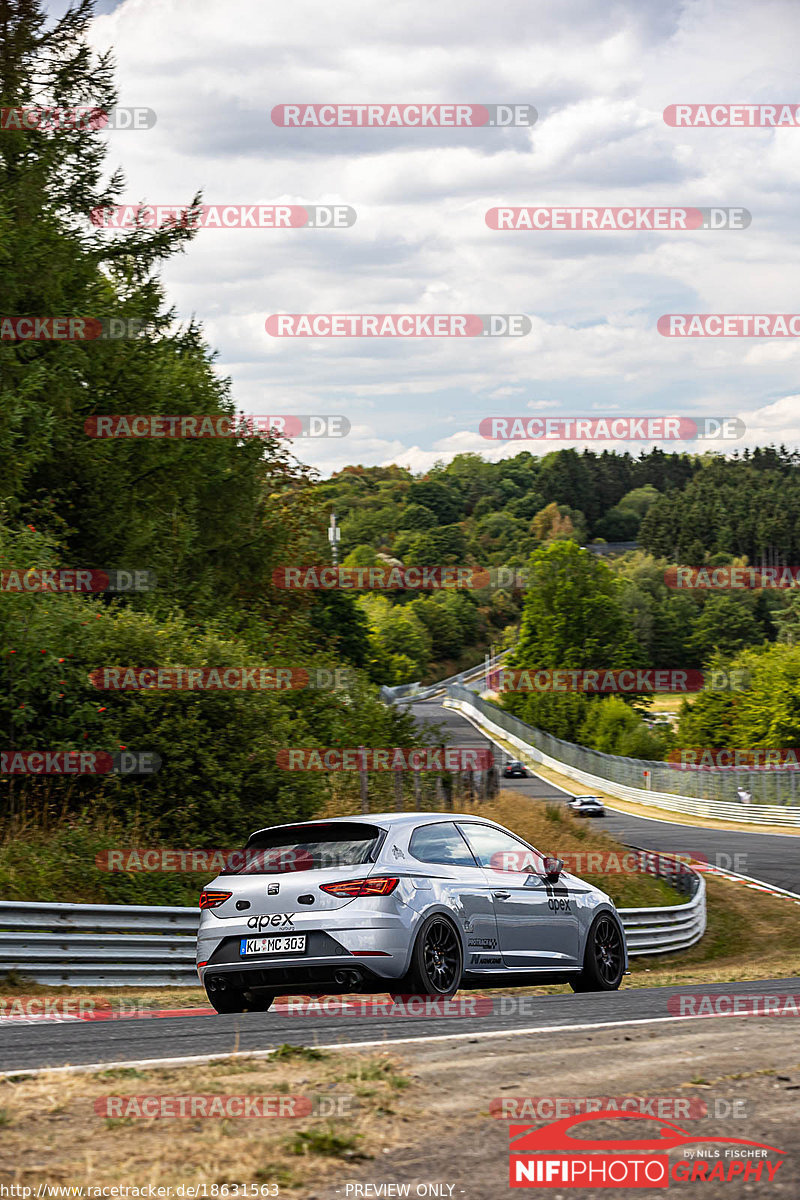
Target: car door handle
502,895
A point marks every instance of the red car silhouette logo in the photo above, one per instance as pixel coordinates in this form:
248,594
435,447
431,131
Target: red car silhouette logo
526,1139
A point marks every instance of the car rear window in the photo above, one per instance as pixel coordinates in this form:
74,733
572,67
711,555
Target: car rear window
306,848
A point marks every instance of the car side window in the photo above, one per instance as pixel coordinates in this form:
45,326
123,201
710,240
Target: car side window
498,850
440,843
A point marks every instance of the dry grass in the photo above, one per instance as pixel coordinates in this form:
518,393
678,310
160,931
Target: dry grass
52,1133
749,935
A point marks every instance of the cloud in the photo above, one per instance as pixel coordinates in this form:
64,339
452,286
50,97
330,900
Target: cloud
599,78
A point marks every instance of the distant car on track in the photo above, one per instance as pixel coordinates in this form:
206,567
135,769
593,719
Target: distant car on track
514,769
420,903
586,806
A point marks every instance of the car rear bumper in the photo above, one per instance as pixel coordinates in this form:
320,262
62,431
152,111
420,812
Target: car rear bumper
374,946
309,978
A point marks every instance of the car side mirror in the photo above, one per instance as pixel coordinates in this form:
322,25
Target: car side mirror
552,868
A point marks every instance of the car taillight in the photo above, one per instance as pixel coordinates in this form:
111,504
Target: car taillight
348,889
214,899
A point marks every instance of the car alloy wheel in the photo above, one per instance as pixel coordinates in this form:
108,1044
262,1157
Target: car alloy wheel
441,956
604,960
608,950
437,961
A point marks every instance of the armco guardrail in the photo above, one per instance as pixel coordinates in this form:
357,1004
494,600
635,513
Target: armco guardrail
674,926
413,691
115,945
93,945
614,775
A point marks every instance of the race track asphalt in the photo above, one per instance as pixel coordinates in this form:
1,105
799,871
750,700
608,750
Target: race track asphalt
129,1040
773,858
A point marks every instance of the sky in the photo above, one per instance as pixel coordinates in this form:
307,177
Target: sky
599,78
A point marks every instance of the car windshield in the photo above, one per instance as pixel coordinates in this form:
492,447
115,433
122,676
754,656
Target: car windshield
305,848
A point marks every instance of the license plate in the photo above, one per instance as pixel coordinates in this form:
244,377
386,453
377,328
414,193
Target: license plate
285,944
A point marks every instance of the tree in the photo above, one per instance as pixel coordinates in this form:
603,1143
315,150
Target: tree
613,727
441,500
724,625
361,556
639,499
416,516
341,627
566,477
551,524
397,630
761,709
444,546
618,525
572,617
442,625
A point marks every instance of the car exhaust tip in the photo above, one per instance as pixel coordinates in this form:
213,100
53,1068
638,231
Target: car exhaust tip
347,979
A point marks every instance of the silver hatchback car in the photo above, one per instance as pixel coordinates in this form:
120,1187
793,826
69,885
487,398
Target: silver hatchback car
404,903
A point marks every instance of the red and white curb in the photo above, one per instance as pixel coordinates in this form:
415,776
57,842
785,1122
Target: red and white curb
755,885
